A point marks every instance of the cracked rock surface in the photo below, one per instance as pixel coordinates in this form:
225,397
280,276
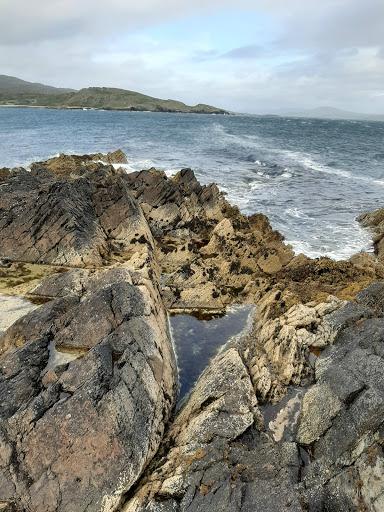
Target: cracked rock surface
220,455
77,432
77,219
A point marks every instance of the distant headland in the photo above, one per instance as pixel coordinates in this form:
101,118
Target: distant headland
17,92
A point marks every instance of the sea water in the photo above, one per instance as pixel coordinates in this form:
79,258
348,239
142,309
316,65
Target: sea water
311,177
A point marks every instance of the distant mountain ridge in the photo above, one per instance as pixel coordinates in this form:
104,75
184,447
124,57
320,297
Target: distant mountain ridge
334,113
14,91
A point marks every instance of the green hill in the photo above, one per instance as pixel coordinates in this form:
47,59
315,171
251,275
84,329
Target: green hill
12,85
14,91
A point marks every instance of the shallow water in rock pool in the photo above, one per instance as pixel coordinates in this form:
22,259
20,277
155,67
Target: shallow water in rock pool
197,341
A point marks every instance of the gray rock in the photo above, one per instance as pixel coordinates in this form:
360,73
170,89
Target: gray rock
215,457
77,221
76,431
346,473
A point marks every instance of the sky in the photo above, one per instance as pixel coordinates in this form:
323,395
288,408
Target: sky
256,56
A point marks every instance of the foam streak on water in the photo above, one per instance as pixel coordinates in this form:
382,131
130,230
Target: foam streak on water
311,177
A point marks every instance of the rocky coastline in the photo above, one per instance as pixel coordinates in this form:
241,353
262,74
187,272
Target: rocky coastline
92,261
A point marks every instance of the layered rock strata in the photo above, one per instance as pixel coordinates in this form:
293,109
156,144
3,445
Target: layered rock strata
81,219
88,380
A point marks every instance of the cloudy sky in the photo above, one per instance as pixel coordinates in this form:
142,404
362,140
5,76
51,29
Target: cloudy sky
245,55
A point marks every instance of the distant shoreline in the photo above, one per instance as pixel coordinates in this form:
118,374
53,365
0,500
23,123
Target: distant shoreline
116,110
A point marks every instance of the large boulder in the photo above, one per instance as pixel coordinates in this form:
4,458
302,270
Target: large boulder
87,385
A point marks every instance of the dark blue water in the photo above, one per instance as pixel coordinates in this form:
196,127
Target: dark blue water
197,341
311,177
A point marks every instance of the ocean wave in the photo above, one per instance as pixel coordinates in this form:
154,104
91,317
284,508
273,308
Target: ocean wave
304,160
244,140
310,164
296,213
354,239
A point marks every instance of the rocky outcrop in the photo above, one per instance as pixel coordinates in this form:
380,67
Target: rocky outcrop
77,220
88,380
64,165
87,384
179,203
211,255
220,453
289,417
341,423
375,221
208,251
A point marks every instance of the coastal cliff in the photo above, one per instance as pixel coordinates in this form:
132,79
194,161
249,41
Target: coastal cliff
88,377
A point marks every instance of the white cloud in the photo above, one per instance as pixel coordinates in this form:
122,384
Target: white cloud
328,52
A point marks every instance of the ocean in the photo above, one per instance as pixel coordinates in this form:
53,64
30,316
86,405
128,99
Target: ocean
311,177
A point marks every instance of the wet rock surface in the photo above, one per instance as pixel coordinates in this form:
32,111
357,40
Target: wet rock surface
375,221
13,308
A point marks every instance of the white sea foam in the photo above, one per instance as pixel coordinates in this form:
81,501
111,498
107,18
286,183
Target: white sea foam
310,164
295,212
354,237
